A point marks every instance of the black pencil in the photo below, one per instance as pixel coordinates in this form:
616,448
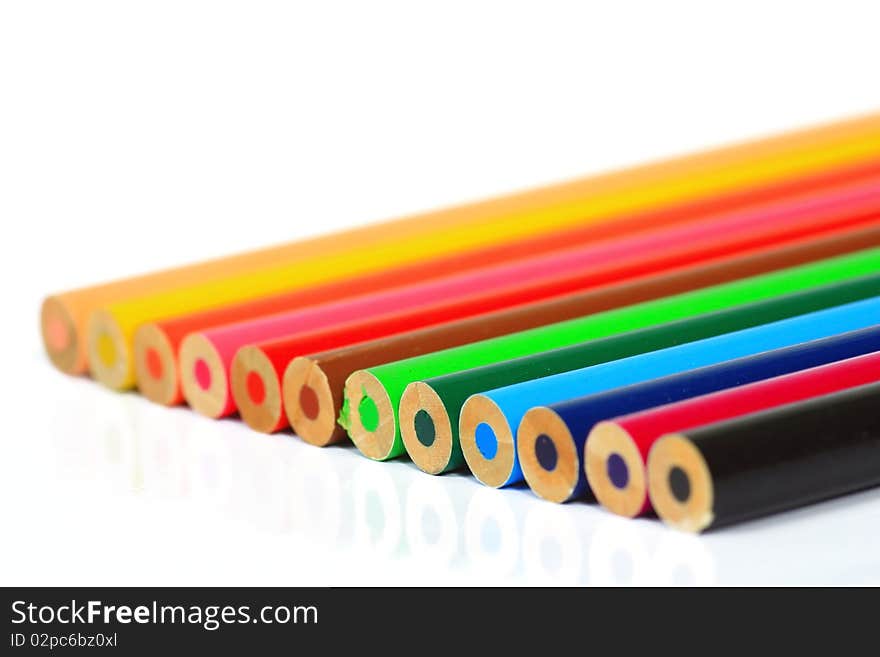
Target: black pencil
767,462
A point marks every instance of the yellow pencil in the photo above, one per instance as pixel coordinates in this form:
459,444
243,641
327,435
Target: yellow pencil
347,255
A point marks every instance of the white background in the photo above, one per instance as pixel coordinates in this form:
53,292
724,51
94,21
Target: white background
137,135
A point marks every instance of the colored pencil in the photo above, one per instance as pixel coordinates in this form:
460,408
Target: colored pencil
313,386
383,387
551,440
156,344
767,462
621,445
205,357
492,417
112,322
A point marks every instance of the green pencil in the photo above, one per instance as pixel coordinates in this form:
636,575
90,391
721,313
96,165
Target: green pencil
372,396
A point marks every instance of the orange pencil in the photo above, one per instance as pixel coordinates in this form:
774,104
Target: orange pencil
65,316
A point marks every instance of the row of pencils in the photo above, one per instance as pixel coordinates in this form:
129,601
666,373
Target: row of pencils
698,338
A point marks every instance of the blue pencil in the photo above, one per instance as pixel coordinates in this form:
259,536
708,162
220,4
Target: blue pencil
500,411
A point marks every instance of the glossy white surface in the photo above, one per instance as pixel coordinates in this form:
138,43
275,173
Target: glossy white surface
135,136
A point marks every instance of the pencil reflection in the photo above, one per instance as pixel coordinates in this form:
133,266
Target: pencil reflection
336,499
682,560
210,466
316,495
618,554
261,469
837,544
378,518
491,533
552,548
118,441
163,456
75,413
432,531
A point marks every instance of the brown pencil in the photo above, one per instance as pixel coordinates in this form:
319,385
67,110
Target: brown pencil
313,385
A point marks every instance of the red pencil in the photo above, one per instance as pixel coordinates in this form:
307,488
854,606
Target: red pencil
631,437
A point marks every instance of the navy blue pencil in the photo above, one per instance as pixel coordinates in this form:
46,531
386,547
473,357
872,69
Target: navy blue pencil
551,439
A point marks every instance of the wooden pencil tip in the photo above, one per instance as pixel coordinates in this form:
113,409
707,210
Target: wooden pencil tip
60,337
368,416
257,390
425,428
155,366
110,356
308,402
680,484
615,470
548,455
203,377
487,441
